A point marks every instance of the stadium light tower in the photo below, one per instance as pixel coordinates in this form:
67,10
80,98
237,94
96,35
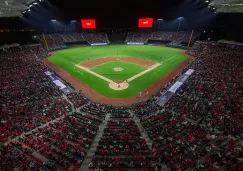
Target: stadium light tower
73,23
159,23
54,21
180,18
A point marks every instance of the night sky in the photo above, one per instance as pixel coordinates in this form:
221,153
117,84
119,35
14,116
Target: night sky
121,13
124,14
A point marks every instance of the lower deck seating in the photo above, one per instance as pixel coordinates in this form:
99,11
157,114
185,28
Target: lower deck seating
122,146
62,145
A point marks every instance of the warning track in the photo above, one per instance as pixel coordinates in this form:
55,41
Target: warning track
95,96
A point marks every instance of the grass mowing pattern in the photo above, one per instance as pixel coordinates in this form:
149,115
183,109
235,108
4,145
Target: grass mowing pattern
128,71
169,57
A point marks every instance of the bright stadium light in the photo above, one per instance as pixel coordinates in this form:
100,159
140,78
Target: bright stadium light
179,24
207,1
35,3
54,22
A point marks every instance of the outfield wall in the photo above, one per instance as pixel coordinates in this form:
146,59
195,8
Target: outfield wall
98,44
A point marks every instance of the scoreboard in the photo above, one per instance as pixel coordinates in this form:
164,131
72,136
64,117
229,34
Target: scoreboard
88,23
145,22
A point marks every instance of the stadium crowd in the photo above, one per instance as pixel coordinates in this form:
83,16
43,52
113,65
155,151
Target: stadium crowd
122,147
200,127
173,37
39,127
28,99
57,40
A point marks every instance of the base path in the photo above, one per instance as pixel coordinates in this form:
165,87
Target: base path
118,86
95,96
100,61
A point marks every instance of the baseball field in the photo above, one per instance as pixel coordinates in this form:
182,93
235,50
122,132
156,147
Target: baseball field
118,71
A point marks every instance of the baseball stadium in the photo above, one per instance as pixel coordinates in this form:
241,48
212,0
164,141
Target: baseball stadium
118,74
121,86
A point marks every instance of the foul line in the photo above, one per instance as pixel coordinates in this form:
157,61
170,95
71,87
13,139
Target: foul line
110,81
91,72
144,72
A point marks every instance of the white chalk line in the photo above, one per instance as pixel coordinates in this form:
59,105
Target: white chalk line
128,80
167,60
110,81
98,75
144,72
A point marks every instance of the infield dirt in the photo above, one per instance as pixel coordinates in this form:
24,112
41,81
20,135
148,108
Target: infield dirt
100,61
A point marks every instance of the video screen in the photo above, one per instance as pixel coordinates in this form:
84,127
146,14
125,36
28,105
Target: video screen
145,22
88,23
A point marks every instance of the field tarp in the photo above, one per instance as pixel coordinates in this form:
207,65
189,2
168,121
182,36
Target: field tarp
57,82
173,89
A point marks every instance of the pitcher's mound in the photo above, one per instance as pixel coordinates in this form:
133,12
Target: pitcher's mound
117,69
119,86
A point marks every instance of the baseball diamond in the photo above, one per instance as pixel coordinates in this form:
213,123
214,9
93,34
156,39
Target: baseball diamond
118,71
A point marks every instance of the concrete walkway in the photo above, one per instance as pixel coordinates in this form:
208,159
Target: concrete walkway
65,97
91,152
142,131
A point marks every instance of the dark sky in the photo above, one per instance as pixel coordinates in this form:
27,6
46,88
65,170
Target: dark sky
115,14
119,13
125,14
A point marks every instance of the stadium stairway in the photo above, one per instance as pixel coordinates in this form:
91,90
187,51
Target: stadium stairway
65,97
142,131
91,152
146,137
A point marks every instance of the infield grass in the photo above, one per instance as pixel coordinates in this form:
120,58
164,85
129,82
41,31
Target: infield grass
128,71
168,57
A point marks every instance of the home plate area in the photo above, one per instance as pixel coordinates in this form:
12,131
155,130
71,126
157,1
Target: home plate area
119,86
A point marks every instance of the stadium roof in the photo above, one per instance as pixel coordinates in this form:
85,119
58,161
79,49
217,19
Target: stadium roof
228,6
13,8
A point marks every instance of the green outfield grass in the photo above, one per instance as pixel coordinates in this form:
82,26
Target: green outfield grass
168,57
128,71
